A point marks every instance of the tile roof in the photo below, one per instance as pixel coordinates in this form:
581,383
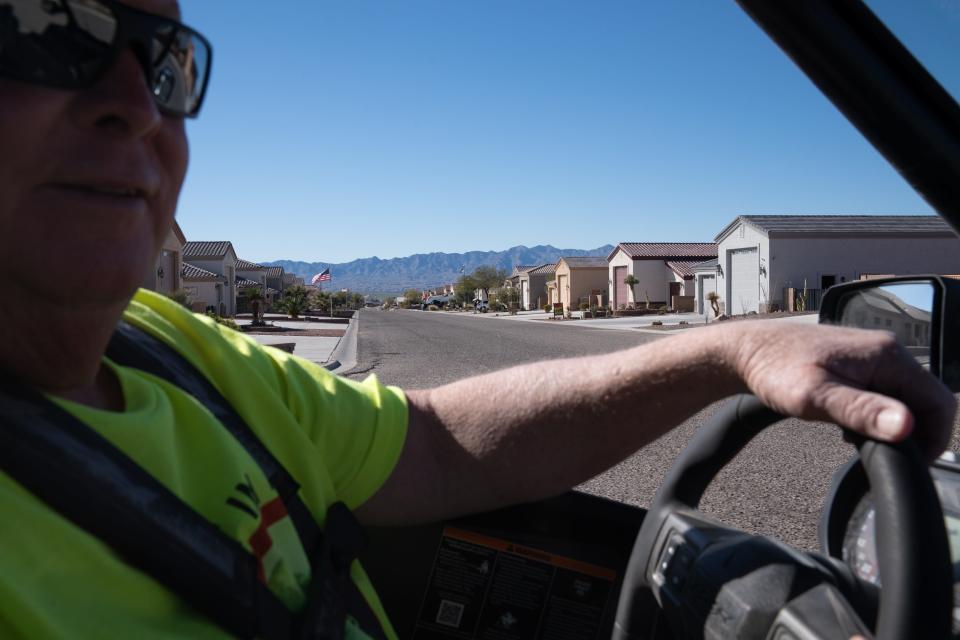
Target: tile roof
637,250
585,262
192,272
544,269
206,249
243,283
520,269
893,225
683,268
706,264
274,272
246,265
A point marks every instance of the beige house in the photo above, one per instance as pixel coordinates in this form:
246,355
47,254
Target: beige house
581,279
165,275
220,259
664,271
533,286
204,288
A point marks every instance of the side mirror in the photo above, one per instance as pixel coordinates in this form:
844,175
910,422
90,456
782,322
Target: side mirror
921,311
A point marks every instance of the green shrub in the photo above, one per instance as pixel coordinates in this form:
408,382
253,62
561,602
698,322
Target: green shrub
227,322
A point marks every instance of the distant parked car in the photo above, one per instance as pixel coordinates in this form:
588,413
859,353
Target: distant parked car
481,305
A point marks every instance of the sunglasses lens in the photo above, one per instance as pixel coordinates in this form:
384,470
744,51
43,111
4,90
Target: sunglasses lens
55,42
181,59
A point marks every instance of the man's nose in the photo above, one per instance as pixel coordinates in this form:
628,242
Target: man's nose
121,102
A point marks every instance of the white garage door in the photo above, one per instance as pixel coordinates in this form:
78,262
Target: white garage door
744,281
708,285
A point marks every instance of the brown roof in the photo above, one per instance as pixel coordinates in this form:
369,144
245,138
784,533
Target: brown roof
683,268
192,272
544,269
274,272
245,265
206,249
641,250
585,262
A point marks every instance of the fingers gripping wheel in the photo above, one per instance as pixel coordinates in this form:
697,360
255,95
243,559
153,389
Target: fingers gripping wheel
688,569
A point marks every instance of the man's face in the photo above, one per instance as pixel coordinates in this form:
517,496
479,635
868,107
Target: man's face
89,182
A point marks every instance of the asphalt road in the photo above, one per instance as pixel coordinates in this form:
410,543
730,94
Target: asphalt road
775,487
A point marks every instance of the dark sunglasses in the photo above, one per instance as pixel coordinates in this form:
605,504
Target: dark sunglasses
70,44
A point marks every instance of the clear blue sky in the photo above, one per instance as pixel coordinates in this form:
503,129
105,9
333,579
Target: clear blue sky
343,129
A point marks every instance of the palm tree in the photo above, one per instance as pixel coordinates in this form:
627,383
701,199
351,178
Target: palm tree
631,281
255,297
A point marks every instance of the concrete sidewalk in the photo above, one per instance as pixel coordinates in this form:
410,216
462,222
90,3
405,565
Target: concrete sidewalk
319,349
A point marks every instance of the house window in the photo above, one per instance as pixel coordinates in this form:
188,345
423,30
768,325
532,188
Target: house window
889,322
742,230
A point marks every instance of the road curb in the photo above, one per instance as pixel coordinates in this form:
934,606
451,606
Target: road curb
344,355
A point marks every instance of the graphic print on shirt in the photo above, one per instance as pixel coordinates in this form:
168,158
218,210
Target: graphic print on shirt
281,561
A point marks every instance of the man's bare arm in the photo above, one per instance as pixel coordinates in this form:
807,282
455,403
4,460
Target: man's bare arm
536,430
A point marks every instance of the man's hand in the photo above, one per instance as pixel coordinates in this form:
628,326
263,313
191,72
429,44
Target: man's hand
862,380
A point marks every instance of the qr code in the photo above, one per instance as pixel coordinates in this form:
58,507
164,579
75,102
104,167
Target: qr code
450,614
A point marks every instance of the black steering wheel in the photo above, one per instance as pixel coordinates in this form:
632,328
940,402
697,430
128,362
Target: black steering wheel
706,580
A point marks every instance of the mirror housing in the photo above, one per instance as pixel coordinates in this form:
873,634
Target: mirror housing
944,312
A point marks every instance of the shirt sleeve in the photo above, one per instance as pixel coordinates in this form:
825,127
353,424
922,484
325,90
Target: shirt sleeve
359,428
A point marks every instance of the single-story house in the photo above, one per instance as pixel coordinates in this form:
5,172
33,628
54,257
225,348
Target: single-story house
581,279
256,273
520,280
164,276
204,288
533,286
762,257
220,258
663,271
275,278
704,283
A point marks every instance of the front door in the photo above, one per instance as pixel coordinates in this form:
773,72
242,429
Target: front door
675,290
620,289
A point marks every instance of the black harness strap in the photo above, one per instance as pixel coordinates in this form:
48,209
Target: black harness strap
91,482
86,479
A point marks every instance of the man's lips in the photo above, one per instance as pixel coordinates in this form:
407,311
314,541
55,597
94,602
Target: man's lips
104,189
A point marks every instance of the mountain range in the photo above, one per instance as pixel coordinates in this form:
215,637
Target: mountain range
426,270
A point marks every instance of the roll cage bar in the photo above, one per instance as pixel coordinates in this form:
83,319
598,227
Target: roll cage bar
878,85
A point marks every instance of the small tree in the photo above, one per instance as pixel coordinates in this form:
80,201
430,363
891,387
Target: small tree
631,281
646,298
296,300
255,298
714,303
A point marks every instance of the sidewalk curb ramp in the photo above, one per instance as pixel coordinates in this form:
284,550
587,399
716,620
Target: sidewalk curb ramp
343,358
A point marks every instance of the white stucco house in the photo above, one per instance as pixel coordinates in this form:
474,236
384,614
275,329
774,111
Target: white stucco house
704,283
761,256
220,259
662,269
164,276
204,288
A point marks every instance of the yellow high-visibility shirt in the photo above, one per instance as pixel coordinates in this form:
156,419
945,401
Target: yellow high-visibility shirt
339,439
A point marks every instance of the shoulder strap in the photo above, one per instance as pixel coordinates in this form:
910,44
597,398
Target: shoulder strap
86,479
332,593
99,488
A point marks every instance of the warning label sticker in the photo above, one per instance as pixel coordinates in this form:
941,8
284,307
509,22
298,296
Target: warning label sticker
488,588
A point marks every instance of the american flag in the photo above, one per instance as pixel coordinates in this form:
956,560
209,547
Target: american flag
323,276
